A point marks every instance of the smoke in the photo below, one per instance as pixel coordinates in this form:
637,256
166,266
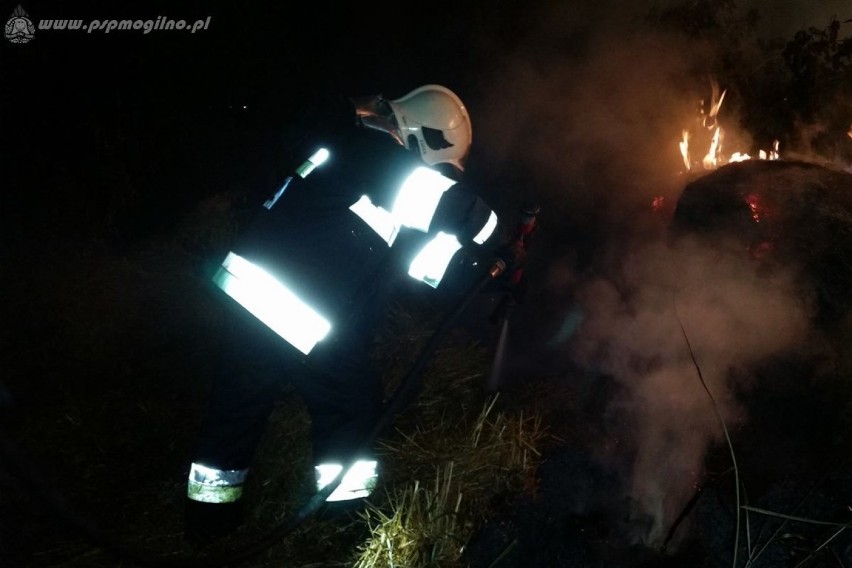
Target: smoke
733,317
592,120
589,104
589,100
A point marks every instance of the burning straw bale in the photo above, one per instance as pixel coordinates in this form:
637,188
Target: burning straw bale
793,213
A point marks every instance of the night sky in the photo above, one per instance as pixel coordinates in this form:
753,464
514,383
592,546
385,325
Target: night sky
186,114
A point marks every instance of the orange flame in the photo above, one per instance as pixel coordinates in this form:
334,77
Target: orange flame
711,122
712,157
715,104
684,149
774,155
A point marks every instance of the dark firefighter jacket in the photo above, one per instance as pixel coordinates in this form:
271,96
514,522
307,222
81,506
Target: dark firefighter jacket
313,242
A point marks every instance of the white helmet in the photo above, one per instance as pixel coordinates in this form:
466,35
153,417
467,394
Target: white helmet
433,120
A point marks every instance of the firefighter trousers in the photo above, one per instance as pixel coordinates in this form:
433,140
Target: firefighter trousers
340,388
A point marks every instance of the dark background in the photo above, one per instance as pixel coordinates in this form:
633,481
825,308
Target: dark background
128,161
137,127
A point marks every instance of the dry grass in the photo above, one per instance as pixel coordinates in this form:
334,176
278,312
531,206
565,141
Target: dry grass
472,464
422,528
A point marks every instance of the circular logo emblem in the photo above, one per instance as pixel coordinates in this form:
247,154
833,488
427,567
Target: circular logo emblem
19,27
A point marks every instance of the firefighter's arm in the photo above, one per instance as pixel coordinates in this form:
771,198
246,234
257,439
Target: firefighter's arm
461,212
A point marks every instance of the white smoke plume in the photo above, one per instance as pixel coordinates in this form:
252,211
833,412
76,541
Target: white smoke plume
589,103
733,316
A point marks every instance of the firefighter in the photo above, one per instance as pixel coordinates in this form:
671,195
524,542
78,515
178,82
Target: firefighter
375,198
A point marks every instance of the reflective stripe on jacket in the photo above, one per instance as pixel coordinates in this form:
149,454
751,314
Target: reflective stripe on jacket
325,240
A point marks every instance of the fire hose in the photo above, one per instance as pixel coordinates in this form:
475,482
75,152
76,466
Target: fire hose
407,391
517,282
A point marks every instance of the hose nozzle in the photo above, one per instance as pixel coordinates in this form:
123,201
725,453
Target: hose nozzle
497,269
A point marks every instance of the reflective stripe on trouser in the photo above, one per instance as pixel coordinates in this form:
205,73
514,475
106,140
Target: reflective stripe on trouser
358,482
210,485
273,303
